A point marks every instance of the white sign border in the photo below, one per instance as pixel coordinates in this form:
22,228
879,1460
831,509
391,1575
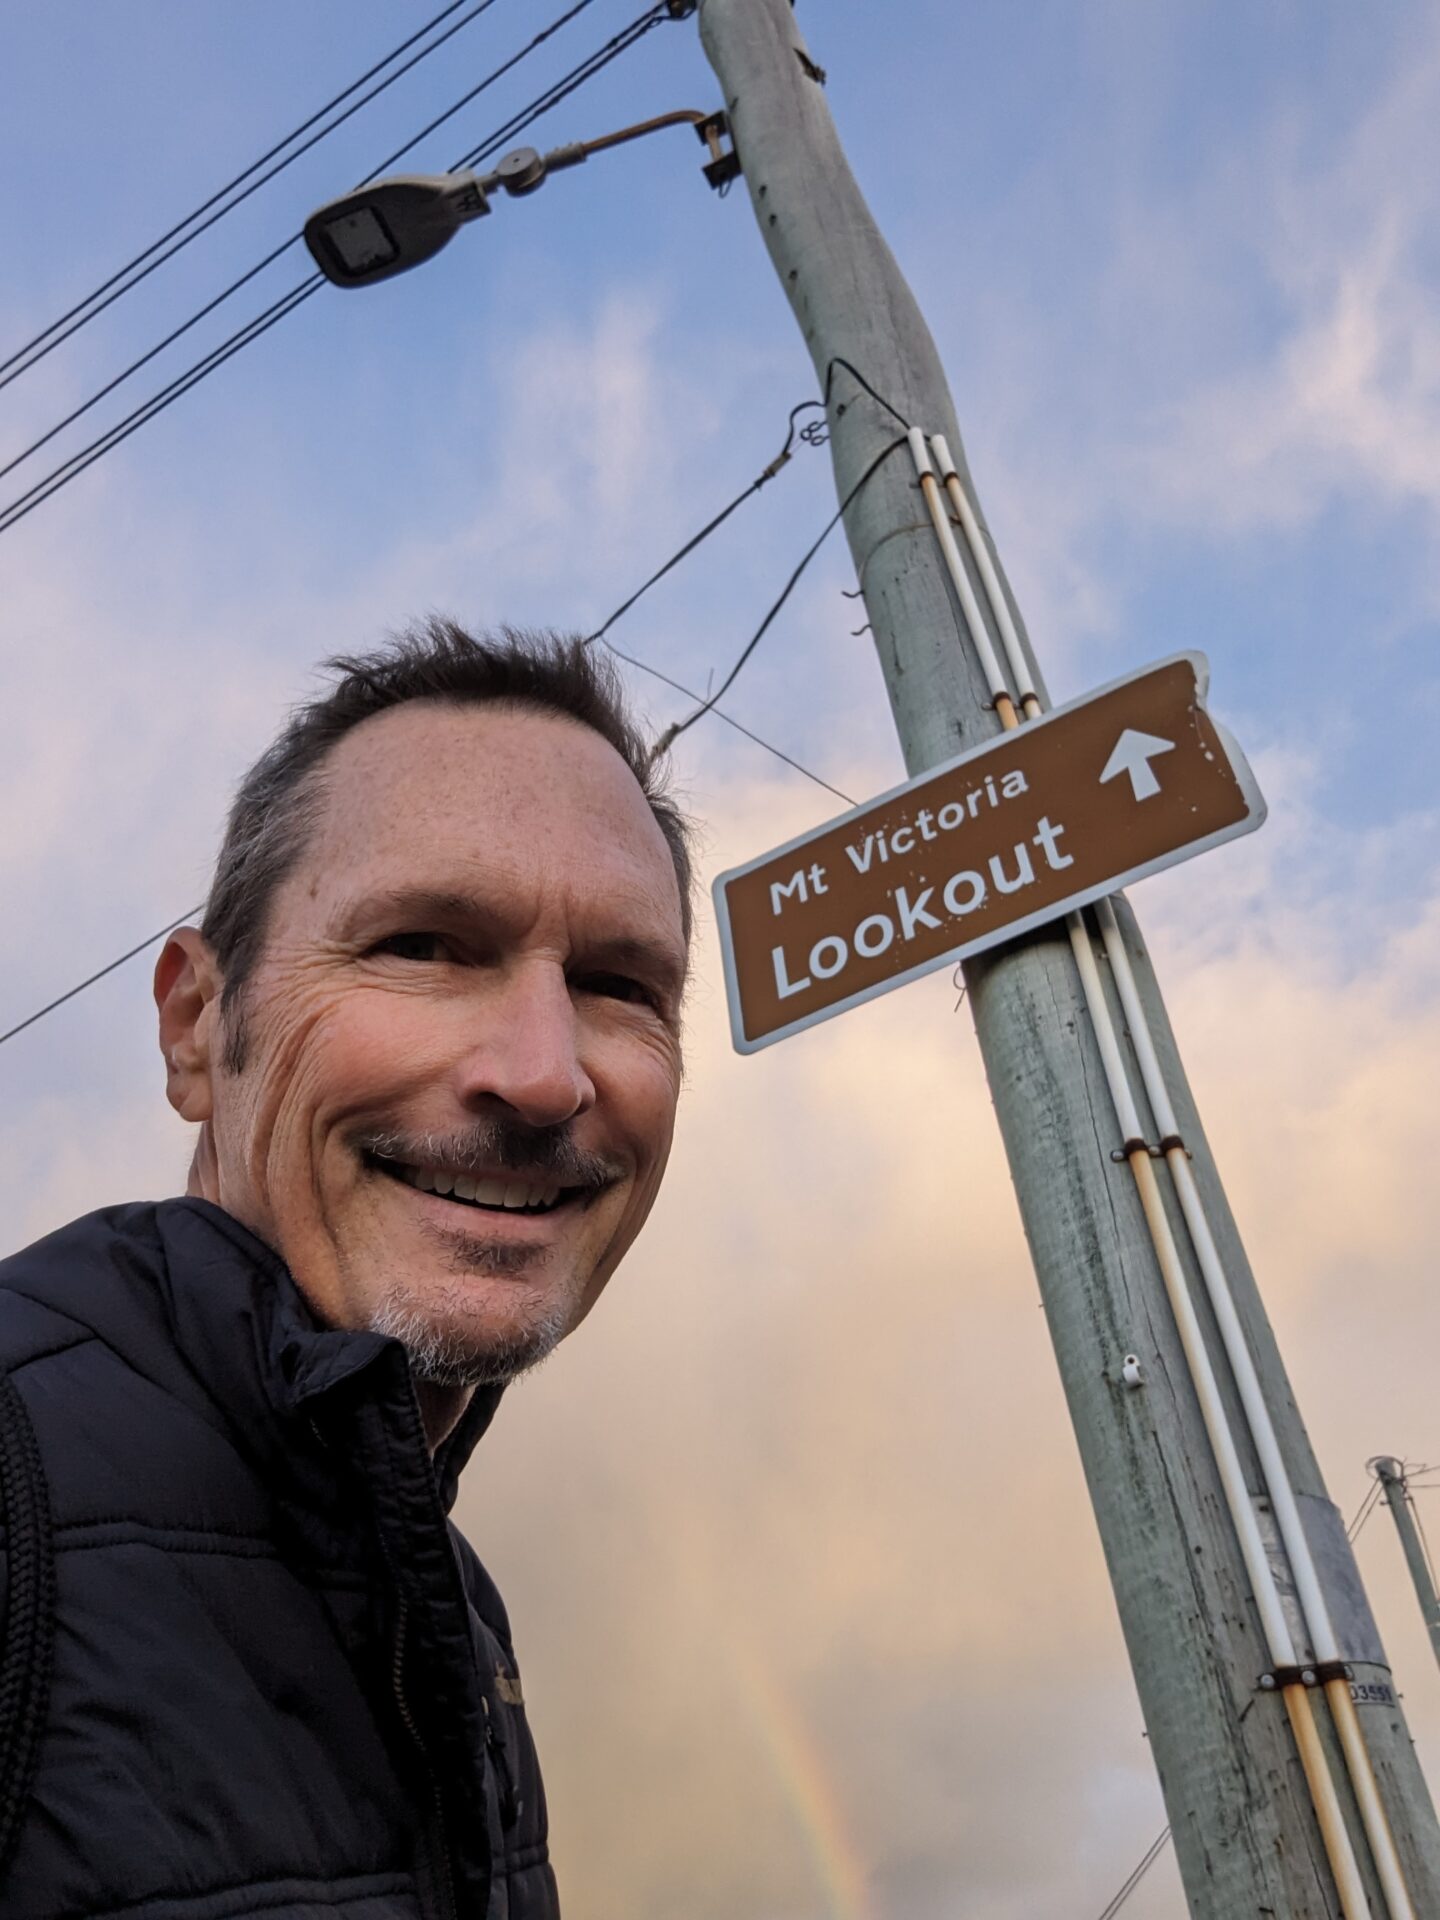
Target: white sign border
1255,813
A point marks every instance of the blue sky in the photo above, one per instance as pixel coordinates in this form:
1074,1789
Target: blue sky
1183,265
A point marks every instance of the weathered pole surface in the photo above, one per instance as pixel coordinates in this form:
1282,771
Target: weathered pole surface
1245,1833
1397,1497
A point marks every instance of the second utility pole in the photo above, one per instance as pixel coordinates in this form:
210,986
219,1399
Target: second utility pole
1397,1495
1246,1835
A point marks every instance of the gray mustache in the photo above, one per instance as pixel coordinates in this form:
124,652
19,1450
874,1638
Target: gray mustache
540,1152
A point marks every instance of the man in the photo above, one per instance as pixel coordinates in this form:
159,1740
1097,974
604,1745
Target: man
428,1033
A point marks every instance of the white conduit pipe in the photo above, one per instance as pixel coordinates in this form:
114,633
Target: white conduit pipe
960,579
980,547
1252,1397
1227,1457
1309,1591
1277,1633
1281,1648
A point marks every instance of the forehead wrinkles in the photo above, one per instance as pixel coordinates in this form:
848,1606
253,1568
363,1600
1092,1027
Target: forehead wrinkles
504,794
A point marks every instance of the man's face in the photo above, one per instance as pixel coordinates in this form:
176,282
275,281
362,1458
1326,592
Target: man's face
463,1054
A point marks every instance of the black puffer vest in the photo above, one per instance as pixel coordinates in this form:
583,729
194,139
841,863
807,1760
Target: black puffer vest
248,1665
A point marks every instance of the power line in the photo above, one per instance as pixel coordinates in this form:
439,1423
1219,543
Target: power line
856,375
285,246
1151,1855
632,660
673,732
109,967
767,474
276,252
1363,1511
60,476
599,635
135,365
158,252
620,43
70,469
629,658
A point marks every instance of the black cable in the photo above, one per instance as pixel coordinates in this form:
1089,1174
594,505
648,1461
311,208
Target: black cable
51,483
94,300
70,469
135,365
673,732
774,467
633,660
294,240
612,49
1364,1510
856,375
705,532
109,967
191,913
1152,1854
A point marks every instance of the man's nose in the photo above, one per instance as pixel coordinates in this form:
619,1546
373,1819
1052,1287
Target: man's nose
528,1055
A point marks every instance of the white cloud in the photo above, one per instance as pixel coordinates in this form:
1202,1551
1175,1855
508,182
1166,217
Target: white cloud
1233,345
1345,408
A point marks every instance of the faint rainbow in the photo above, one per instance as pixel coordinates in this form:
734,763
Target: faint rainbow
800,1768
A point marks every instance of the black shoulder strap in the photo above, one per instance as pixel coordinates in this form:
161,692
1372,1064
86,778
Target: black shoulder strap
27,1611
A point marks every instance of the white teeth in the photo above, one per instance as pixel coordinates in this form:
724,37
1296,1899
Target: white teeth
513,1194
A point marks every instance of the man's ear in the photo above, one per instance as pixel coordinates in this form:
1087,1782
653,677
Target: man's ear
187,993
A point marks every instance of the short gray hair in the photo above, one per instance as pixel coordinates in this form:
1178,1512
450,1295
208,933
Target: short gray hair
277,804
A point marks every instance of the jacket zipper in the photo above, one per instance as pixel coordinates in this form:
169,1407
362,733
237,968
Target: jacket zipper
439,1870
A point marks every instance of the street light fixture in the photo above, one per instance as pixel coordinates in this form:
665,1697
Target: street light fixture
392,225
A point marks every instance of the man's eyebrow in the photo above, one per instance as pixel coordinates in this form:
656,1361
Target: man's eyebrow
421,904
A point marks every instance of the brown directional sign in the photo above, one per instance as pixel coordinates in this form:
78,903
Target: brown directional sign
1092,796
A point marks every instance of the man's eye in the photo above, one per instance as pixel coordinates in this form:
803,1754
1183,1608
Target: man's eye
414,946
617,986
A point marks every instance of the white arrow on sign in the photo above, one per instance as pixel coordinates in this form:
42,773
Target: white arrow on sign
1133,753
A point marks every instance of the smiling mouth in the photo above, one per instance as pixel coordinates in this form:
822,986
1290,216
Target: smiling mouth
486,1194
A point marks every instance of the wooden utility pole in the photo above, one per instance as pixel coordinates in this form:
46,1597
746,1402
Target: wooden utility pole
1398,1498
1246,1836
